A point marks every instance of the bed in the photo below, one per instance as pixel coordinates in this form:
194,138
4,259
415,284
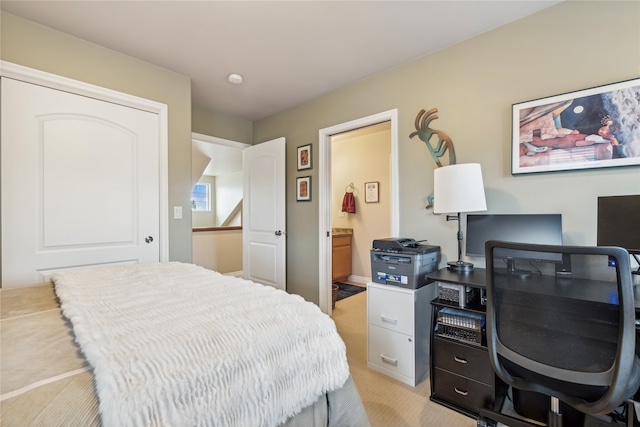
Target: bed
169,344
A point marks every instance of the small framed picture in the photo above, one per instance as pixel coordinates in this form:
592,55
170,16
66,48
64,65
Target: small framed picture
304,157
303,189
371,192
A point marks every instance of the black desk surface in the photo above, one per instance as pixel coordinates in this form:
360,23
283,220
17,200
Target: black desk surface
593,302
550,285
476,278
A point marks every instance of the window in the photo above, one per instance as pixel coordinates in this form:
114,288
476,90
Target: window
201,197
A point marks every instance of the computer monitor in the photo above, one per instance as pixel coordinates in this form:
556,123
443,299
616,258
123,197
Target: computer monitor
543,229
619,222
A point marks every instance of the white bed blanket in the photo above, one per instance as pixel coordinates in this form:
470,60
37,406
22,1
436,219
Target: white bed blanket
174,344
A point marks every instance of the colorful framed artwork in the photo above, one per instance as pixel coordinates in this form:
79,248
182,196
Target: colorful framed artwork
303,189
585,129
304,157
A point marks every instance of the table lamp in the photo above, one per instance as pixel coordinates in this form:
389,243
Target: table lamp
458,188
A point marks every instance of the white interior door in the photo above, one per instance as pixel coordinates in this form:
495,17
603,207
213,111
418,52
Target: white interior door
80,183
264,243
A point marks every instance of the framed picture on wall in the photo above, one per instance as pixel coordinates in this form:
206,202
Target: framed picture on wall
371,192
585,129
304,157
303,189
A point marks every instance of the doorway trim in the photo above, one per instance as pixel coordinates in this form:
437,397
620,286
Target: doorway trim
324,193
53,81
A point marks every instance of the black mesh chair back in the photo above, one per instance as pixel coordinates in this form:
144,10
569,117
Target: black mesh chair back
561,321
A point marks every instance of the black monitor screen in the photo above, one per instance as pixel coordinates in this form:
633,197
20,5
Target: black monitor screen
619,222
543,229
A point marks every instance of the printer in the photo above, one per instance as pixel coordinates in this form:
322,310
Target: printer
403,262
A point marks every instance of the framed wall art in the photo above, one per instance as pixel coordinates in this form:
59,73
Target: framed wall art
303,189
585,129
304,157
371,192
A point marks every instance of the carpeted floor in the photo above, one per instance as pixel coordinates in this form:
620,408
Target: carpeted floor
390,403
346,290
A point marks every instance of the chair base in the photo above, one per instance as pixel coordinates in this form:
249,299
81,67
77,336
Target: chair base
535,406
488,418
533,409
491,418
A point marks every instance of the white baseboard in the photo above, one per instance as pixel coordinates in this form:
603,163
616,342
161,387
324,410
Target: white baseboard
359,279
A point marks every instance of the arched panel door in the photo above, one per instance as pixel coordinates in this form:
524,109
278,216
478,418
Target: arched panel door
80,183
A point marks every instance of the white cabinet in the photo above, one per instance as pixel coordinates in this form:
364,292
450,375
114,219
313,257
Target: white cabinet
399,322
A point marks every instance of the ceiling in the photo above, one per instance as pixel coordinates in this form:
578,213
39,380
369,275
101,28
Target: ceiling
287,51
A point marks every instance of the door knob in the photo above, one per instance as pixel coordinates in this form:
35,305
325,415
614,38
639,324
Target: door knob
148,239
278,233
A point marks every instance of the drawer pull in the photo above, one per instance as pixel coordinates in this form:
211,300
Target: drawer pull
464,393
389,360
459,360
389,319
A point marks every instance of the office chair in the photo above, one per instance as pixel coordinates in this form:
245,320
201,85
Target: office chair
561,322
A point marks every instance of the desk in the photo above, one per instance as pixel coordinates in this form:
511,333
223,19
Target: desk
461,374
460,371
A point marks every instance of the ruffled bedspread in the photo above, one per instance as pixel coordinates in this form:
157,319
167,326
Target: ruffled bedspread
174,344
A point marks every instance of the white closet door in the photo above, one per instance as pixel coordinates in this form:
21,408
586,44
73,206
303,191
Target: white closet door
80,183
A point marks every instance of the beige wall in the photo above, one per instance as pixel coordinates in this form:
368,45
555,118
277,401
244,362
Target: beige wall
213,123
357,157
220,251
473,84
26,43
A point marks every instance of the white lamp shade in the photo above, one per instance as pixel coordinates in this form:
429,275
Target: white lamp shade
458,188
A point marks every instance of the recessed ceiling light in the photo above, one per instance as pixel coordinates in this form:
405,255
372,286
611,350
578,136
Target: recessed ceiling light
235,79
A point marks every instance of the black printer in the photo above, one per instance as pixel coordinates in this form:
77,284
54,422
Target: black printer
403,262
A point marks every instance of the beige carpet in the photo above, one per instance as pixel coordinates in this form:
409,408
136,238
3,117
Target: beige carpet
388,402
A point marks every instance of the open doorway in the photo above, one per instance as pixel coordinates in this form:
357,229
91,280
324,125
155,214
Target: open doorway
325,191
217,203
360,181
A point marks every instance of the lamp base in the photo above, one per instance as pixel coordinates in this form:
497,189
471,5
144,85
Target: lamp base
460,266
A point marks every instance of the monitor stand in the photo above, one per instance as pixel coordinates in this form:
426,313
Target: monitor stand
563,270
511,270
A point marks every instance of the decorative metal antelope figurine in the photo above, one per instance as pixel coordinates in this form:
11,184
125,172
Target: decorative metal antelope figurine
444,144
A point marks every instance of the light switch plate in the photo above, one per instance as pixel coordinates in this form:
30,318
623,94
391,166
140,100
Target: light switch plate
177,212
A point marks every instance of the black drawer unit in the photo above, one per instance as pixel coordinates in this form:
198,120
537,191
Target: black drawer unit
460,370
463,360
462,392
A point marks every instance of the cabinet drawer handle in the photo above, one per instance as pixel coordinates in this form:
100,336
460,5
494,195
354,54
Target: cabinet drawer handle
459,360
389,360
389,319
464,393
